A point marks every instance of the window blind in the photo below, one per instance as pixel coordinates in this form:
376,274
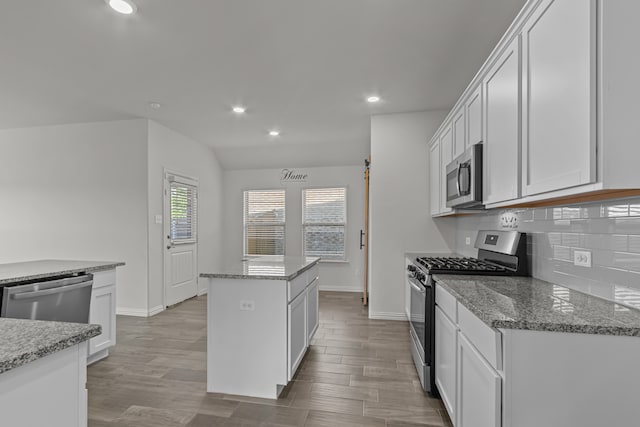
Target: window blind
324,220
264,221
183,213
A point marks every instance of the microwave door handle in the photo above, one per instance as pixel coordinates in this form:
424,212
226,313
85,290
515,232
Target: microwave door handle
458,180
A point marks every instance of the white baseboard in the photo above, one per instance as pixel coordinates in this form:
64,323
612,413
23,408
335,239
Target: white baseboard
340,288
202,292
387,316
156,310
123,311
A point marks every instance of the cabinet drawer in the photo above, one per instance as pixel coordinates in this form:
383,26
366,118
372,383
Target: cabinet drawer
487,341
104,278
312,273
447,303
296,286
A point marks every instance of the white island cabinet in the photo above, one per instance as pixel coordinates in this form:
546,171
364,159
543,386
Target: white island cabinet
43,373
262,314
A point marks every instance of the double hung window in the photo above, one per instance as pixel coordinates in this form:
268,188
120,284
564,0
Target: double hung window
324,221
264,222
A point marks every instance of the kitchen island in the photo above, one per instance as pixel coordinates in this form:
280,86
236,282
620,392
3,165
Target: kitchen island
522,352
262,313
43,373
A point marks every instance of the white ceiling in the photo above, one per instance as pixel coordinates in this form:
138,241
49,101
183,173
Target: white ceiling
303,66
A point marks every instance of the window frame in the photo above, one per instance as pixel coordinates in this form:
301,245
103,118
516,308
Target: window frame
344,259
282,224
192,185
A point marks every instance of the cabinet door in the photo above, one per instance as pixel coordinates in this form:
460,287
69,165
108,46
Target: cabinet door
312,309
103,313
434,177
501,146
459,132
473,108
559,94
297,332
446,155
479,389
446,362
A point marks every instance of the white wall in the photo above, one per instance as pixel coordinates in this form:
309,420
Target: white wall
400,221
78,192
333,276
179,154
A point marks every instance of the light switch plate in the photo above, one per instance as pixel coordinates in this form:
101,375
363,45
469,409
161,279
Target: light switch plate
158,219
467,240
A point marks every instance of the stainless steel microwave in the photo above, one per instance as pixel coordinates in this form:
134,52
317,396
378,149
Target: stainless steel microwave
464,179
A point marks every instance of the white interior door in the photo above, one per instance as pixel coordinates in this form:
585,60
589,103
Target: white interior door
181,238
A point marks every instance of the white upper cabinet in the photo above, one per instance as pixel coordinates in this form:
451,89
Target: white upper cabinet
446,155
501,156
459,140
473,110
434,177
559,96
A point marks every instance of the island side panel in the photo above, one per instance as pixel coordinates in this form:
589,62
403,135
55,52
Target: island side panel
247,336
557,379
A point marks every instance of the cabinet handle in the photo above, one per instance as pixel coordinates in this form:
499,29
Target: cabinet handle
361,240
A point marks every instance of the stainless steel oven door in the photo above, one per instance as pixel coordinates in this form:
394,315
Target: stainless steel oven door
418,310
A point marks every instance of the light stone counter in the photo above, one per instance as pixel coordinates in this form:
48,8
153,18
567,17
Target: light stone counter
41,269
531,304
264,267
24,341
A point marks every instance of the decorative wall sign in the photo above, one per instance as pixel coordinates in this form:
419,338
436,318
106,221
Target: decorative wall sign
509,220
291,175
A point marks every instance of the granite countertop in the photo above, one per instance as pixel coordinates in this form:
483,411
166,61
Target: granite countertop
264,267
33,270
532,304
23,341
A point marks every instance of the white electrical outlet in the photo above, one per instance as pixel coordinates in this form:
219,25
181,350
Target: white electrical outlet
582,258
467,240
246,305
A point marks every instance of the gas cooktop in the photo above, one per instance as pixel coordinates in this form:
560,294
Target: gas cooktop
459,266
500,253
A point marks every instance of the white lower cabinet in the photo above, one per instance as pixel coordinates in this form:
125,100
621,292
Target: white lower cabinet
479,388
446,348
297,328
103,313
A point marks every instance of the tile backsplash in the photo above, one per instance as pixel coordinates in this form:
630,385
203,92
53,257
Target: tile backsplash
610,230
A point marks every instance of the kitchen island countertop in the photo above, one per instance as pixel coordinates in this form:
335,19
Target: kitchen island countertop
24,341
264,267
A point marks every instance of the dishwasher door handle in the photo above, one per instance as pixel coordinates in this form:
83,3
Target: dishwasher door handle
51,291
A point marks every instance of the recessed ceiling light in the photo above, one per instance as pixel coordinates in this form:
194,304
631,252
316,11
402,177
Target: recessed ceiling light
373,99
126,7
239,109
155,105
274,132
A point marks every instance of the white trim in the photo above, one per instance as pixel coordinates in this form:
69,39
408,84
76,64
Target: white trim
202,291
387,316
155,310
124,311
341,288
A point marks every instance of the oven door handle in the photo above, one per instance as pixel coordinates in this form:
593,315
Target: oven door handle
417,288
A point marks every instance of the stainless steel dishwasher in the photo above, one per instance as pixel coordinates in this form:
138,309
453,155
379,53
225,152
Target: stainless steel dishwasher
64,299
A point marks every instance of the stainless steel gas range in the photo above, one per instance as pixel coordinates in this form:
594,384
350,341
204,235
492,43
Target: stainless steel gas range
500,253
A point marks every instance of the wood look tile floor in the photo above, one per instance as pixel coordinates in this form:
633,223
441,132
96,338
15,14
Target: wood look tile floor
357,372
